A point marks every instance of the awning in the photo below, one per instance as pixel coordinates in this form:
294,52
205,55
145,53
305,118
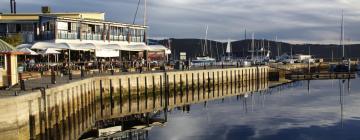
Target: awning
158,48
45,45
27,51
49,51
136,48
106,53
6,48
93,46
81,46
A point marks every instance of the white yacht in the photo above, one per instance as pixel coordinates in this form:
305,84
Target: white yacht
204,59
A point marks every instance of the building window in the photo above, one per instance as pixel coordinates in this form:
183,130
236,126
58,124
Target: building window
27,27
2,61
2,27
12,28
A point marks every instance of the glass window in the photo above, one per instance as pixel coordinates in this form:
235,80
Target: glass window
2,61
27,27
12,28
62,26
2,27
74,27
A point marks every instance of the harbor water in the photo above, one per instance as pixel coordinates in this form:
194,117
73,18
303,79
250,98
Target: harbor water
321,109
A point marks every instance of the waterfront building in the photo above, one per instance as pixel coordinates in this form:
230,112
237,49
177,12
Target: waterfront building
78,31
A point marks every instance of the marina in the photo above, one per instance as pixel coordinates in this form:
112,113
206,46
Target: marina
122,71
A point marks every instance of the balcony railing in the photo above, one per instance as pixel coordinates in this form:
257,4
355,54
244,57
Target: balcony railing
136,39
91,36
48,35
117,38
67,35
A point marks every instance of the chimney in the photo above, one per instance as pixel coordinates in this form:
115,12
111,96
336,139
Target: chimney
13,6
45,9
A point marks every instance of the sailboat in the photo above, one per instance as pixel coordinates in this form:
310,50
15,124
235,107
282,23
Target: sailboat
228,51
262,55
204,59
345,64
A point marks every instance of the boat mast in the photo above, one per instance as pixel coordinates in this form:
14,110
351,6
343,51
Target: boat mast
252,46
228,48
145,12
268,47
277,46
342,35
205,44
145,21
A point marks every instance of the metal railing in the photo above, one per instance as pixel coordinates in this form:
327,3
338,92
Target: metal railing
67,35
117,38
91,36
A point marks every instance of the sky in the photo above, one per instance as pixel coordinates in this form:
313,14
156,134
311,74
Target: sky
295,21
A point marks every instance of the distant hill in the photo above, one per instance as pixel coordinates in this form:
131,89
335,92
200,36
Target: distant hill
193,48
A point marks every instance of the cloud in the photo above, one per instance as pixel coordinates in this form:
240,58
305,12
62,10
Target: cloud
306,21
269,114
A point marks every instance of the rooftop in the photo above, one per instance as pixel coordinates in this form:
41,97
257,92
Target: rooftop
84,16
35,16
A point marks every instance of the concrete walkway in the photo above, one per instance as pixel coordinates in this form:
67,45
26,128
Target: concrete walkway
45,81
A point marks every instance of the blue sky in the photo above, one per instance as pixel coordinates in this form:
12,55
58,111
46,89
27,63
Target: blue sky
296,21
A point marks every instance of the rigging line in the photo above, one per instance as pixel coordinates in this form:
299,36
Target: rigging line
137,9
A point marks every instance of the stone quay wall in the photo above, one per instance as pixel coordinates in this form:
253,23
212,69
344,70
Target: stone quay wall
65,111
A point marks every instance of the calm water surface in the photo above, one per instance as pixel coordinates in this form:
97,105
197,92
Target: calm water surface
319,110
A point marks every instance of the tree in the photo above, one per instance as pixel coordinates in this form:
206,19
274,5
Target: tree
13,40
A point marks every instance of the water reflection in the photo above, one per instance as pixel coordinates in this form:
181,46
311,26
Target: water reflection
299,110
134,114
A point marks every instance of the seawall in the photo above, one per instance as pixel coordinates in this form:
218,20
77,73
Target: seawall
67,111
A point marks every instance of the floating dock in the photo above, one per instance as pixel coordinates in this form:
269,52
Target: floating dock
321,76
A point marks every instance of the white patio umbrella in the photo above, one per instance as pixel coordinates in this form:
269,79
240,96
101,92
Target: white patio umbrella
28,51
48,52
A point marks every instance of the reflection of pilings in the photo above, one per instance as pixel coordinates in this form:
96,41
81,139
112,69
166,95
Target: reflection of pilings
208,83
167,92
231,82
213,84
129,96
198,85
218,83
111,97
192,86
120,96
137,94
146,92
235,81
178,98
174,88
154,90
222,83
203,84
101,97
227,83
181,88
161,90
